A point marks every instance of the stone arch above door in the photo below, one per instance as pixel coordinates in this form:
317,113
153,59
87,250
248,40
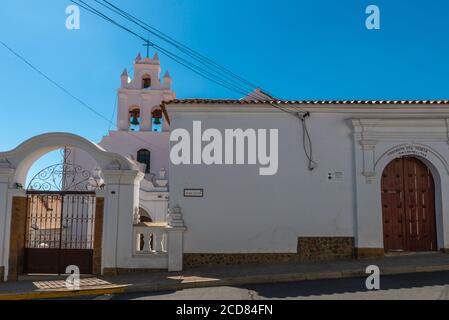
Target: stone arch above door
421,151
377,141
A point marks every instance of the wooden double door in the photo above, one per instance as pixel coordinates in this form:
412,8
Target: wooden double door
408,206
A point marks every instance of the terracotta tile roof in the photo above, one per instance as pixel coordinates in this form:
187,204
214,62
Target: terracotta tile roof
310,102
296,102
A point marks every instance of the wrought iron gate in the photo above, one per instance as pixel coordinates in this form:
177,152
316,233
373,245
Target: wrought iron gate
59,232
60,220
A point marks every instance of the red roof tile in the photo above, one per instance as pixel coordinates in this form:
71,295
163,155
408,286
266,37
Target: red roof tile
287,102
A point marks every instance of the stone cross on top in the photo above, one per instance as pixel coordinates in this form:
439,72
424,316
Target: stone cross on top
147,44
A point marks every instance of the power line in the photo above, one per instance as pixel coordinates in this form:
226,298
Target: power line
51,80
197,56
67,92
113,114
307,142
218,79
194,54
196,69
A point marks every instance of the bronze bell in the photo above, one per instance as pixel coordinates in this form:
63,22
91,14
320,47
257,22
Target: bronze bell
134,121
134,117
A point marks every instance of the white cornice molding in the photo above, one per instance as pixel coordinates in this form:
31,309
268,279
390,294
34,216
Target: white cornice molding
381,111
426,129
368,132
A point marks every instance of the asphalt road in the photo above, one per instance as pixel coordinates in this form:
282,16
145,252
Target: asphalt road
421,286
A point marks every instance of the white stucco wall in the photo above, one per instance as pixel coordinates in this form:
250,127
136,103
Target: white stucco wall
245,212
154,201
242,212
128,143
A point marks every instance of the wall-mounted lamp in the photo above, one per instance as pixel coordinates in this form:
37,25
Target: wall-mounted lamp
18,186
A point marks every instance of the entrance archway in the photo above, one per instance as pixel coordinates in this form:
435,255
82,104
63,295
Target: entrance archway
408,206
60,228
118,197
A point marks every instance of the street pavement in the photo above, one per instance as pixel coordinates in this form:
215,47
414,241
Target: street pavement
419,286
51,287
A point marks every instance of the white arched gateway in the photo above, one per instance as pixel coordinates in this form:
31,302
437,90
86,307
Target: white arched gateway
114,208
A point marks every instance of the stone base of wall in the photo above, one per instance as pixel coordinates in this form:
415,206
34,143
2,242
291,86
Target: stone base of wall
112,272
309,249
444,250
369,253
192,260
2,274
325,248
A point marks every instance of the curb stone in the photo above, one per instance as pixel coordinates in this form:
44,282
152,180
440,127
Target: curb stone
201,283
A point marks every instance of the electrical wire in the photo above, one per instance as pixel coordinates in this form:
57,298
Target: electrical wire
233,86
67,92
113,114
198,70
307,142
199,57
192,53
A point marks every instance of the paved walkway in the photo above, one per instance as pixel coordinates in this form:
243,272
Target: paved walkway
53,287
415,286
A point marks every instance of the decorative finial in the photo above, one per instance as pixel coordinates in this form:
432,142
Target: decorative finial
156,57
139,57
167,75
125,73
175,219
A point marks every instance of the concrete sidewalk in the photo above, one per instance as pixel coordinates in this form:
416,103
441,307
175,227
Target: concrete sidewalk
54,287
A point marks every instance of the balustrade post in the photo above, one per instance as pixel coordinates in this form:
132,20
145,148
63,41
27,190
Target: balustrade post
158,241
175,240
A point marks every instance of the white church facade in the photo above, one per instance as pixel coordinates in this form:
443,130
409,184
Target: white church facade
325,180
378,182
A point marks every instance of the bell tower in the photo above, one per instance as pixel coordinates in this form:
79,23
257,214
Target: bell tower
139,97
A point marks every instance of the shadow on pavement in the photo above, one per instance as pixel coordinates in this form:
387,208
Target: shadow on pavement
354,285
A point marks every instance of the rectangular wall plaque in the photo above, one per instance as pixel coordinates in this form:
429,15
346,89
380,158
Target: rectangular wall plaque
193,193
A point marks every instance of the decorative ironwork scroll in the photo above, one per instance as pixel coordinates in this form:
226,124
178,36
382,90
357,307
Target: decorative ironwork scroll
64,176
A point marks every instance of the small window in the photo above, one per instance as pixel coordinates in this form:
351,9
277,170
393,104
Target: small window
157,121
144,157
146,81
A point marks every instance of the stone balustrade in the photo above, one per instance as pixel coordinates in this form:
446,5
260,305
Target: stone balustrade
159,245
150,238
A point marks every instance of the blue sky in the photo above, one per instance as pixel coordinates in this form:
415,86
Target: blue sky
296,49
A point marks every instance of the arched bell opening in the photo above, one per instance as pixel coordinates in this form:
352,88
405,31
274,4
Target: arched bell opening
134,119
157,121
146,81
